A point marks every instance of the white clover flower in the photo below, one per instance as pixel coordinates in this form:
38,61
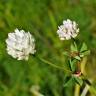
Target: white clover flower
35,90
20,44
68,30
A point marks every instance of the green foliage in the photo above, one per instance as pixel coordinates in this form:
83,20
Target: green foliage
83,47
84,50
78,58
41,18
73,80
78,80
65,53
73,65
74,47
69,82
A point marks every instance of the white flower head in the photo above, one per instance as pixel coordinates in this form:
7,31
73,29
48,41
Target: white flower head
20,44
68,30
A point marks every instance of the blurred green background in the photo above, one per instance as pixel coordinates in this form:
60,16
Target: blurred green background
42,18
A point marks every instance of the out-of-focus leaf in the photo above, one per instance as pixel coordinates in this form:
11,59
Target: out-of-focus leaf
86,52
74,47
83,47
70,81
78,80
81,55
73,64
78,58
65,53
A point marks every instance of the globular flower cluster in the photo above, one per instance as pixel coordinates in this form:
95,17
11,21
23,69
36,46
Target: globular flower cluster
20,44
68,30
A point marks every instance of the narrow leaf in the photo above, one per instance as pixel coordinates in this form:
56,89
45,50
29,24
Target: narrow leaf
73,64
83,47
74,47
78,80
86,52
69,82
78,58
65,53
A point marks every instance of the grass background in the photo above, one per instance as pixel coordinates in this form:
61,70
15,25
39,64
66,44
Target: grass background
41,18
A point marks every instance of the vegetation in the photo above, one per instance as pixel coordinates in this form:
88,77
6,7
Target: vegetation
42,18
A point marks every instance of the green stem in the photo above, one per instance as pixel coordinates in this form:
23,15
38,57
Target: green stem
85,90
88,83
54,65
77,90
92,89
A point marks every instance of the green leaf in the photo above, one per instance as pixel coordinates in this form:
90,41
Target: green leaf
74,47
78,80
81,55
83,47
65,53
73,64
86,52
69,82
78,58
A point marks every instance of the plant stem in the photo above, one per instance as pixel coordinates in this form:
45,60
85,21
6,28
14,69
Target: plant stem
88,86
83,63
54,65
85,90
77,90
92,89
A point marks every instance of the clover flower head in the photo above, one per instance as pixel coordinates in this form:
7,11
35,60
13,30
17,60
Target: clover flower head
68,30
20,44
